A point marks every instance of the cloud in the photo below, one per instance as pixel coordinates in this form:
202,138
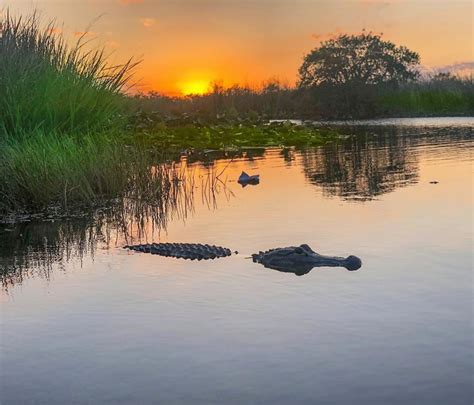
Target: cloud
460,68
85,33
128,2
463,69
55,31
147,22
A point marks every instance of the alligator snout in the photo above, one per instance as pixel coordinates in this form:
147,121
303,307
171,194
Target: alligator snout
352,263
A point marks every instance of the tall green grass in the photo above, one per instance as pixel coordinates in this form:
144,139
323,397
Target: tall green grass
48,85
66,172
47,168
58,102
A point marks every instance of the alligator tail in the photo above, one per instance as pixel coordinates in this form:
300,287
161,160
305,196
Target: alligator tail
188,251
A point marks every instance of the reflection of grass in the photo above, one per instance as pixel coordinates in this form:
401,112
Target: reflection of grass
45,169
32,248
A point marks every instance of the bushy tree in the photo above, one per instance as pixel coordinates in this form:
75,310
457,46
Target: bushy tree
363,59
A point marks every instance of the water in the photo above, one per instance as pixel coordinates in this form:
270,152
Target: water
84,321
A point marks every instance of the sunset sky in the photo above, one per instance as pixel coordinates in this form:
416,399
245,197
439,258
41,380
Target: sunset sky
186,44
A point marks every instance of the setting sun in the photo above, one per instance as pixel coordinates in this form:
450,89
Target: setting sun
194,87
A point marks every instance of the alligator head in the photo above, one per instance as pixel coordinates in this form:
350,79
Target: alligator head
302,259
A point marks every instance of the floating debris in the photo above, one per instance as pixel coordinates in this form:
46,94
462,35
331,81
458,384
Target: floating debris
245,179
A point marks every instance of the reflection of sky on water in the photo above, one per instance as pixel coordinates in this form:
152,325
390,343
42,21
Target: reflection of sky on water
362,168
135,328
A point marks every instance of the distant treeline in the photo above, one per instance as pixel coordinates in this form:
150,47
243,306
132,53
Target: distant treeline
441,94
349,76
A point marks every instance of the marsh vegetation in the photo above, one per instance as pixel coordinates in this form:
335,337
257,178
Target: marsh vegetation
87,169
58,104
437,95
71,138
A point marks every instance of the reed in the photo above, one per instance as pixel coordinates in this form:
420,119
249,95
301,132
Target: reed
47,170
48,85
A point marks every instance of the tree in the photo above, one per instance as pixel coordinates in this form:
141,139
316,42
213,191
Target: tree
363,59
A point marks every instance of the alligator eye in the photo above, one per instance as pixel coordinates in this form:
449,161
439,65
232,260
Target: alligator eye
298,250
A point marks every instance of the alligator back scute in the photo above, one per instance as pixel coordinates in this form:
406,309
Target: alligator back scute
188,251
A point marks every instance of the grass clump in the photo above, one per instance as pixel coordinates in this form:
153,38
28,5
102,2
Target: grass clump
57,104
49,167
65,172
50,86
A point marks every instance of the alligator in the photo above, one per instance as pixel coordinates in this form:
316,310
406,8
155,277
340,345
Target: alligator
299,260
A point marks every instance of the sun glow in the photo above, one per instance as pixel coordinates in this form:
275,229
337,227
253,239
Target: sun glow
194,87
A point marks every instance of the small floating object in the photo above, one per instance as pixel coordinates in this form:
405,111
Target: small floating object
245,179
434,182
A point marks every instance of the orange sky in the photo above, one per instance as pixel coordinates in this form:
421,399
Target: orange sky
185,44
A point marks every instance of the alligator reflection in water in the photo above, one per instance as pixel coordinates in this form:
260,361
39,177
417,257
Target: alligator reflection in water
362,167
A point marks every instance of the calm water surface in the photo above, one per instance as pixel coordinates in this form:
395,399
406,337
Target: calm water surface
84,321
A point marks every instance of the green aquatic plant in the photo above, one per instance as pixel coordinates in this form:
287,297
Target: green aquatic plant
217,136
